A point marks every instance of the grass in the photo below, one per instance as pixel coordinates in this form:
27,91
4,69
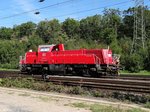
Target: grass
80,105
5,69
44,98
102,108
143,72
147,105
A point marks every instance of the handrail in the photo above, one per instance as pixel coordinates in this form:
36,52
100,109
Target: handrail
97,59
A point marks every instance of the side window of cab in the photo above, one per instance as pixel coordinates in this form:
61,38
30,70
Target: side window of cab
44,49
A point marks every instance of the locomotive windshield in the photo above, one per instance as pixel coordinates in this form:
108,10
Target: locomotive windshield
44,49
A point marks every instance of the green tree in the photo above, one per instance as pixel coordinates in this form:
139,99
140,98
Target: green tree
133,62
108,35
71,27
147,57
6,33
33,42
10,52
112,19
90,27
25,29
48,30
147,22
126,27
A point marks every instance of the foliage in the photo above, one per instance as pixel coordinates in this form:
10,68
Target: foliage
19,82
33,42
10,52
147,105
49,30
24,29
90,27
6,33
133,62
71,27
147,58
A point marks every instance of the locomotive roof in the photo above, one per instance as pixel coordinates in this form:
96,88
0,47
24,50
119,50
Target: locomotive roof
46,45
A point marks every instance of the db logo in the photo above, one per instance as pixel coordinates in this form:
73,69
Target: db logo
44,54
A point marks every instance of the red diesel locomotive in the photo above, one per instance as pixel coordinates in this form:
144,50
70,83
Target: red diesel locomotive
52,59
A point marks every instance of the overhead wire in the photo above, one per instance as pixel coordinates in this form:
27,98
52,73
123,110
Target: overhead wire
60,3
81,17
82,11
88,10
22,4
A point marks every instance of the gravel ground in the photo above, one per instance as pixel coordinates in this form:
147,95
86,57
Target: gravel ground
22,100
12,101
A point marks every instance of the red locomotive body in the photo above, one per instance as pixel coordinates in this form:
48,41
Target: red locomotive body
54,58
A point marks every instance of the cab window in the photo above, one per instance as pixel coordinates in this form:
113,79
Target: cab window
44,49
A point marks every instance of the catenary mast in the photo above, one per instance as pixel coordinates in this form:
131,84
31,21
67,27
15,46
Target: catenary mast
139,27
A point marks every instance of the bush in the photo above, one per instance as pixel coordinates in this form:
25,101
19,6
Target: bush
133,62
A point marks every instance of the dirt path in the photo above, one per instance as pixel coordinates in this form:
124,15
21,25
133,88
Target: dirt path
12,100
21,100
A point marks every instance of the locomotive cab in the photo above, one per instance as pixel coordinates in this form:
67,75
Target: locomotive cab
50,48
45,48
46,51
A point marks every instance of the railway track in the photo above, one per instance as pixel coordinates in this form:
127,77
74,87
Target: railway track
103,83
138,84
